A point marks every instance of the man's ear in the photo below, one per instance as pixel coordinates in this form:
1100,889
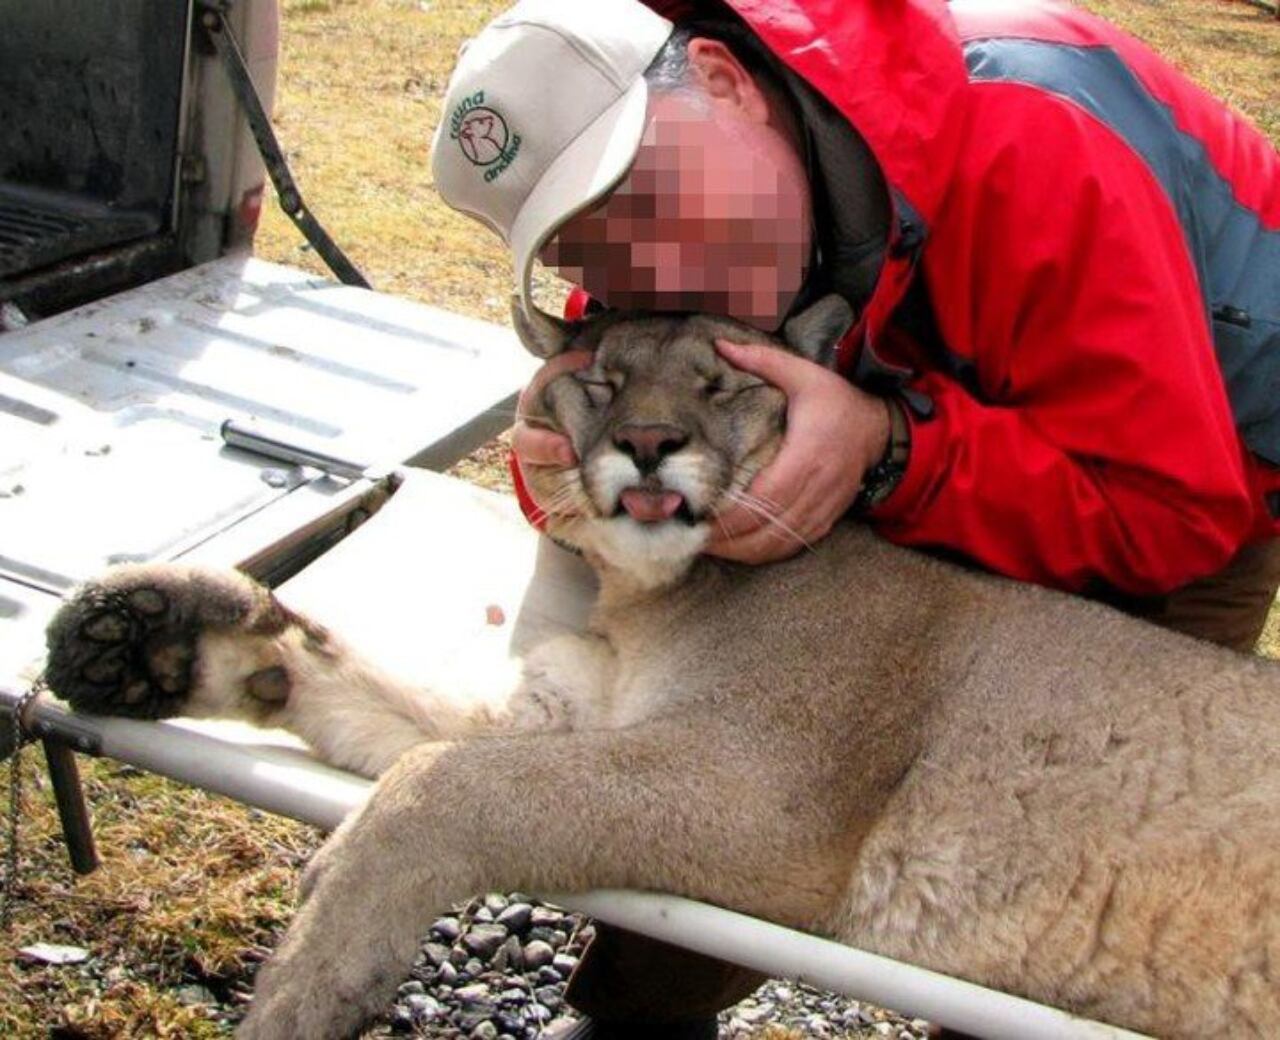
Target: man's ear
726,80
543,335
817,330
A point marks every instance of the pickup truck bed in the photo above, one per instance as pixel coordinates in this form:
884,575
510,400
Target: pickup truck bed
110,419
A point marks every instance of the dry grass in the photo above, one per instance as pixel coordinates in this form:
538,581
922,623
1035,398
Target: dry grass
1229,47
191,888
360,91
192,884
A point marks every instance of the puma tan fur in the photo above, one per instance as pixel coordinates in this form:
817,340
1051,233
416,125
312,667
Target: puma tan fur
992,780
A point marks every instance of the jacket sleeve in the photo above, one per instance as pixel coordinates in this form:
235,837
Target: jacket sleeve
1094,441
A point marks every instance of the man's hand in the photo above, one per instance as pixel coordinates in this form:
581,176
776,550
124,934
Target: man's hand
835,433
535,447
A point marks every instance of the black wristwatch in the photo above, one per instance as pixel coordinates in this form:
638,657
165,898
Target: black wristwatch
880,480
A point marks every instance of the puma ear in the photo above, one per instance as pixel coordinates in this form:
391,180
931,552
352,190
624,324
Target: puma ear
817,330
542,334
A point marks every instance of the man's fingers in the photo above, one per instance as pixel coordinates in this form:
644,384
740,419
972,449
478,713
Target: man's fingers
538,447
765,544
569,361
534,447
766,530
788,372
735,522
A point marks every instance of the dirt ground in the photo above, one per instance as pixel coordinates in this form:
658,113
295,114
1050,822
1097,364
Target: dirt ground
193,887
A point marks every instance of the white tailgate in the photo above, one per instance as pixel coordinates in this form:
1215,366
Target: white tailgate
110,418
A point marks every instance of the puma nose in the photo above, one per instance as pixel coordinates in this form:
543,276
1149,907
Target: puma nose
648,445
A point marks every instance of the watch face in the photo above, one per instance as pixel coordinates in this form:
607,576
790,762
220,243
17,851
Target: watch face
879,484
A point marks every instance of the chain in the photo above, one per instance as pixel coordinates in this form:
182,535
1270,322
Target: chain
9,886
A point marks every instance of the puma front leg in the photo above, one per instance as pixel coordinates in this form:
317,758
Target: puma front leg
673,806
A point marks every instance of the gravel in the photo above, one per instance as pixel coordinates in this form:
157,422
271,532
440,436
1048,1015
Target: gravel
496,970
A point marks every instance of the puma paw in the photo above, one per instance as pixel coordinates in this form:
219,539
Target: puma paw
128,643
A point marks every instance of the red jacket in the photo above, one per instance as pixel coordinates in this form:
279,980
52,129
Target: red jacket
1082,222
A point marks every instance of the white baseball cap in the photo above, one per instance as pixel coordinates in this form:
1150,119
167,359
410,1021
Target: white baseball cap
543,117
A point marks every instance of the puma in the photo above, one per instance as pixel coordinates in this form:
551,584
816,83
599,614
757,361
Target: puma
988,779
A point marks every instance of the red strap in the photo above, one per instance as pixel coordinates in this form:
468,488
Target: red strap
528,506
575,306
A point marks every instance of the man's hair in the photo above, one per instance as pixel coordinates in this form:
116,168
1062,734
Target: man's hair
672,71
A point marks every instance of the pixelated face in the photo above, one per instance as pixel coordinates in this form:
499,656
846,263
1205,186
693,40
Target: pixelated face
714,216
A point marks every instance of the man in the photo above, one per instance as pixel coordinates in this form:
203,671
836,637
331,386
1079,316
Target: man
1064,257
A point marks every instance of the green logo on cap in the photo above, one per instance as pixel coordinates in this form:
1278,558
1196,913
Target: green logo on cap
482,134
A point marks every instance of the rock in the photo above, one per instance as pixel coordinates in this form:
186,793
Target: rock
447,928
753,1014
447,975
884,1028
482,916
423,1008
538,953
485,1031
782,993
545,917
411,987
564,964
474,968
516,917
458,956
817,1026
514,954
495,903
509,1022
473,993
401,1020
189,995
52,953
547,975
549,997
435,954
470,1017
553,937
483,940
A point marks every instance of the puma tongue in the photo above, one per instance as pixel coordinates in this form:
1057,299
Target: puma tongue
650,507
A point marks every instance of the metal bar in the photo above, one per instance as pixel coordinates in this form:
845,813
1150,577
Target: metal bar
279,779
242,435
219,32
782,952
73,811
